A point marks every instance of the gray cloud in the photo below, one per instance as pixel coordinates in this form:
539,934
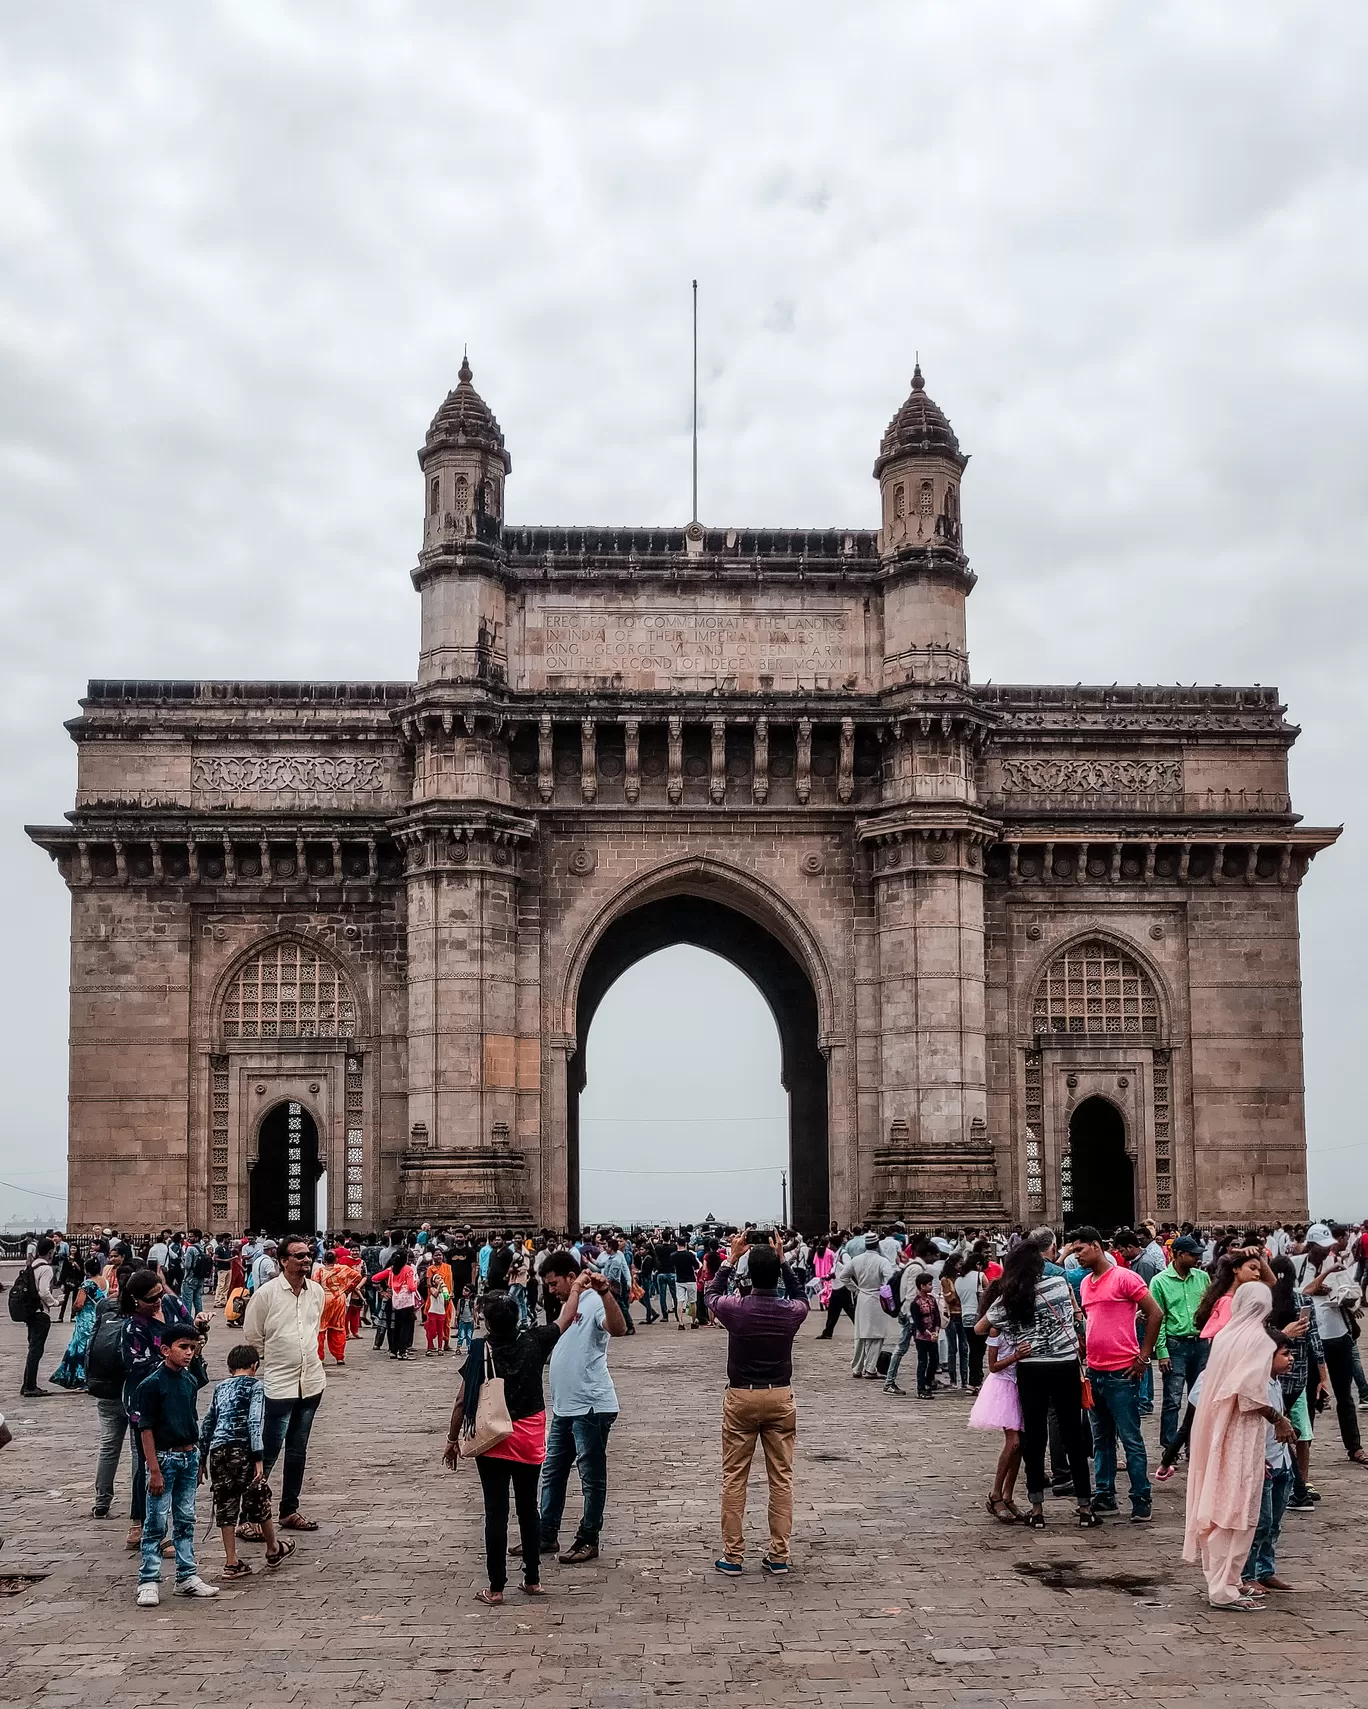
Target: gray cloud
243,243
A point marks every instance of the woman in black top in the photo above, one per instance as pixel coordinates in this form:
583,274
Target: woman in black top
520,1359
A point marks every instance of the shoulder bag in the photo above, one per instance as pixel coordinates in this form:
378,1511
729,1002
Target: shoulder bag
493,1426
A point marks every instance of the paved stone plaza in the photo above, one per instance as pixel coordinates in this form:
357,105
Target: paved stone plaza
903,1590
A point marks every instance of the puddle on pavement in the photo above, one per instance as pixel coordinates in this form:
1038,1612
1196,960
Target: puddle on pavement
1075,1575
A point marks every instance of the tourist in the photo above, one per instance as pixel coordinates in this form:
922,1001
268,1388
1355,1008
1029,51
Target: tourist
1039,1310
517,1356
197,1272
1294,1315
919,1312
666,1280
442,1266
282,1324
952,1314
758,1404
1226,1459
337,1282
519,1275
1327,1281
864,1275
163,1414
686,1281
1111,1295
1234,1269
437,1297
41,1300
1261,1568
584,1405
998,1407
1182,1354
232,1454
970,1288
400,1280
465,1318
264,1266
71,1373
617,1272
223,1269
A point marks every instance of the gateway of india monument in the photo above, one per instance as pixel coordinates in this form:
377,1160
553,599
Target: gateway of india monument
336,947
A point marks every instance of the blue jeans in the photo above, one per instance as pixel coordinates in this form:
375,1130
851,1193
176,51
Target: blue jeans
1187,1355
192,1295
957,1352
517,1292
583,1440
464,1334
904,1342
1262,1562
664,1282
180,1470
288,1423
1116,1413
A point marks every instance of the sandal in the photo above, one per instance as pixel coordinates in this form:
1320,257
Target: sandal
297,1522
997,1506
533,1589
1035,1521
284,1549
239,1569
1088,1520
490,1598
249,1534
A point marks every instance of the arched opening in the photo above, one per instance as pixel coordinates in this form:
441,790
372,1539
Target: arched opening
785,986
1100,1173
283,1180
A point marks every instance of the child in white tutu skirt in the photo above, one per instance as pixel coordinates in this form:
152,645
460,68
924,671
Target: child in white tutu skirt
998,1407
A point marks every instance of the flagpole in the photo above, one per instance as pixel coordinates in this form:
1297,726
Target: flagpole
695,400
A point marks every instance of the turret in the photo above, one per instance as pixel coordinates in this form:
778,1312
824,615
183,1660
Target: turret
464,464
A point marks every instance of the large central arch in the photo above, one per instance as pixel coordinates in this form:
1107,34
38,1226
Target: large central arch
712,925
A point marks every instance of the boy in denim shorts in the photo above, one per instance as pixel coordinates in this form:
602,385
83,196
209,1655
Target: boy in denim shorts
231,1449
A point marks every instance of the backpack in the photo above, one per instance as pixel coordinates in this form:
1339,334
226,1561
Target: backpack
204,1265
104,1357
174,1268
235,1308
24,1304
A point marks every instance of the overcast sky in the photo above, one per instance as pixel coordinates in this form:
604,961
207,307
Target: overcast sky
241,246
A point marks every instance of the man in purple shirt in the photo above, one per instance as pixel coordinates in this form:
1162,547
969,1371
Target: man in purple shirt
759,1400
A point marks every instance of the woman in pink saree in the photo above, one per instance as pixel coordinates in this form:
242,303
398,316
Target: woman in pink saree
1226,1449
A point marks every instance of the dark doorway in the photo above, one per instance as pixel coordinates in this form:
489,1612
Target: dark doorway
1103,1175
285,1175
785,986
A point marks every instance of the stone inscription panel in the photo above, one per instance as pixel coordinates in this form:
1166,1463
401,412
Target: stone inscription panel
662,642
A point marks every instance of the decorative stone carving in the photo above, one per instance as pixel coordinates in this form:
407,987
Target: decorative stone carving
588,759
803,787
760,773
632,738
1093,777
301,774
845,776
674,788
717,784
546,778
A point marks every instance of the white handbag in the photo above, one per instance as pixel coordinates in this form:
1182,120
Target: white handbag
492,1423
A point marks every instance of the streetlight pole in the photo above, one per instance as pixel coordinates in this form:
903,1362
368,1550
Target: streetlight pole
783,1188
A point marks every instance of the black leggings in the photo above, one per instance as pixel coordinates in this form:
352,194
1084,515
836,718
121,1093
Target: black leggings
1053,1382
978,1346
401,1328
495,1476
840,1301
1339,1367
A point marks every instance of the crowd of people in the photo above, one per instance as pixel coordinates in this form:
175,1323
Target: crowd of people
1254,1332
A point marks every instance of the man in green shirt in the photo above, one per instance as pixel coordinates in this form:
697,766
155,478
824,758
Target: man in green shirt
1181,1352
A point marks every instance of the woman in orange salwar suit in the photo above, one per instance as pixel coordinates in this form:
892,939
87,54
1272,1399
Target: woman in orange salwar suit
338,1282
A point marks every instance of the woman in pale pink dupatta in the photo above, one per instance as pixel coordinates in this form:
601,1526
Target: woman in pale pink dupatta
1226,1449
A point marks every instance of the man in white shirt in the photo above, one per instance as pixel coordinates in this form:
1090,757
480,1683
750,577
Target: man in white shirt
40,1319
282,1324
265,1266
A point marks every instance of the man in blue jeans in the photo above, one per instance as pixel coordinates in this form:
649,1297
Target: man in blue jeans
1180,1350
584,1406
1111,1295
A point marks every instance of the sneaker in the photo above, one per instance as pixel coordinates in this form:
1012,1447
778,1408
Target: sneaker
1314,1494
98,1512
1141,1516
733,1569
1104,1504
148,1596
578,1553
195,1586
543,1549
775,1569
892,1388
1304,1505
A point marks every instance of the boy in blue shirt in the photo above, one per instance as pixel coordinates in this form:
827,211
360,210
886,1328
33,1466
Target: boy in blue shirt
163,1413
232,1447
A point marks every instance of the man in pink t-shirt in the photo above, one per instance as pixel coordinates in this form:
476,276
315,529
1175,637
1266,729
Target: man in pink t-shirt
1111,1296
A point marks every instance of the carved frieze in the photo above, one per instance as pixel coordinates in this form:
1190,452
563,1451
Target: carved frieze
1089,777
294,774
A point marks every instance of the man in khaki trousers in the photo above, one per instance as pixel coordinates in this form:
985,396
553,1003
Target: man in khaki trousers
758,1404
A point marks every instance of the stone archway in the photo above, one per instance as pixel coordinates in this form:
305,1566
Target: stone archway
284,1177
1102,1174
713,925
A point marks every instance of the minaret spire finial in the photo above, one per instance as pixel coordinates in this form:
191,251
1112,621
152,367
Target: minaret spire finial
918,384
465,371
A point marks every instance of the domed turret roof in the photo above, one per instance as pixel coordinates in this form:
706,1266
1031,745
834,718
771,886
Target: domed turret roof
919,429
465,419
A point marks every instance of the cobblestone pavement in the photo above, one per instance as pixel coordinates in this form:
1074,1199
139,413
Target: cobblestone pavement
903,1590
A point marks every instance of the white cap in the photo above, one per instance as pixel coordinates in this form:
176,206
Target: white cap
1319,1234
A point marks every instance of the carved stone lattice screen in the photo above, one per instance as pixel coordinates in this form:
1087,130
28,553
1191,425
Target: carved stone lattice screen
1093,988
288,991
